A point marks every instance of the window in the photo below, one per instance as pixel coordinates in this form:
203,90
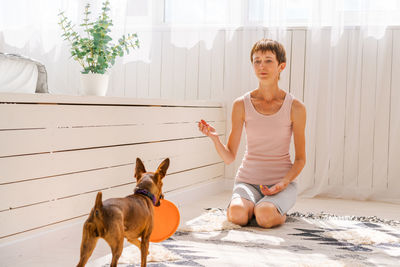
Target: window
283,12
197,11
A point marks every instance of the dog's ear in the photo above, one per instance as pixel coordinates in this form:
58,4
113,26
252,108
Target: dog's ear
99,202
162,169
139,169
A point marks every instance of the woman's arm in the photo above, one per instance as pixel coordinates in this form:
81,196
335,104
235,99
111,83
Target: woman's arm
298,116
228,152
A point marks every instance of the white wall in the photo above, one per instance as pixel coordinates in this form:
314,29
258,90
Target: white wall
350,88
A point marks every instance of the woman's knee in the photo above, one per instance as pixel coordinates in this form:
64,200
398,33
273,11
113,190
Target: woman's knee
240,212
268,216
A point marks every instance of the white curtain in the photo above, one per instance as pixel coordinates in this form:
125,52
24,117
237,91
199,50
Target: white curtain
33,24
30,27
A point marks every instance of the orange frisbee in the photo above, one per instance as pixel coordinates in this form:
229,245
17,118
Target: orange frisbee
166,221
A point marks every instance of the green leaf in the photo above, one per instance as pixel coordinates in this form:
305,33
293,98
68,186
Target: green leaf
96,37
96,48
101,60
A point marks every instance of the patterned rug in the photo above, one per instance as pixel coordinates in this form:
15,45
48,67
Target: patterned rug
304,240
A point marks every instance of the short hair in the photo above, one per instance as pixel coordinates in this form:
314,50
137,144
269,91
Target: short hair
275,47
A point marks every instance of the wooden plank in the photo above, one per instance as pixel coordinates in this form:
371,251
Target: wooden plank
117,79
192,65
12,98
31,217
382,114
31,192
73,84
245,66
320,74
167,66
15,220
131,79
180,180
66,184
60,139
297,64
143,64
204,67
231,90
65,71
43,190
217,66
179,67
241,60
352,127
44,116
338,88
142,81
394,140
184,154
308,174
155,65
297,83
370,48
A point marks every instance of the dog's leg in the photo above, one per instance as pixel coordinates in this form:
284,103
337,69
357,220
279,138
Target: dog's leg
89,241
144,250
116,250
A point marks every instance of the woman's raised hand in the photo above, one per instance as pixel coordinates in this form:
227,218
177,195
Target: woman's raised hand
207,129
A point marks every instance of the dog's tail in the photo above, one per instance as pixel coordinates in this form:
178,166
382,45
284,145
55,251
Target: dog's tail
95,221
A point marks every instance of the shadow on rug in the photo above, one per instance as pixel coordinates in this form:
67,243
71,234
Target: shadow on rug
304,240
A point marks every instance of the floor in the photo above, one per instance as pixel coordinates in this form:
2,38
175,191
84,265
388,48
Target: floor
315,205
60,247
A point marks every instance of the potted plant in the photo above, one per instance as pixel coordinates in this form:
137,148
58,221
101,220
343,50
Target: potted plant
94,51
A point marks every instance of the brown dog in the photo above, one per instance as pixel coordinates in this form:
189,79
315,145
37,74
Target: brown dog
130,217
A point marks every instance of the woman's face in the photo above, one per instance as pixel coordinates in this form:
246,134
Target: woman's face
266,66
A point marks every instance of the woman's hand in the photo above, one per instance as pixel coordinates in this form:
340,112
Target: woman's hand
275,189
207,129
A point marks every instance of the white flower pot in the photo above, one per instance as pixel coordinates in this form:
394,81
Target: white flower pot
94,84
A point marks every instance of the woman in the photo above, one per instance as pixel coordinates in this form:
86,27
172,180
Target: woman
264,184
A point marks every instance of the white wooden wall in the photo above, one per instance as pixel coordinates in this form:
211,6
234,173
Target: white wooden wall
350,87
351,91
57,152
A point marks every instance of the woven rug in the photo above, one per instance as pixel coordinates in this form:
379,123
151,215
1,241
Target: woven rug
304,240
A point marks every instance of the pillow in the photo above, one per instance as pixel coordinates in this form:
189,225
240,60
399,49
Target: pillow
19,74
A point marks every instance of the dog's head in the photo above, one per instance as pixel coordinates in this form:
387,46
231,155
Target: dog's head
151,181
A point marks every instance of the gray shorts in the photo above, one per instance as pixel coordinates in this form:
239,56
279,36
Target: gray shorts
283,201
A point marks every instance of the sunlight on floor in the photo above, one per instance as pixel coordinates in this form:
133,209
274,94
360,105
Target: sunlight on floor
63,243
